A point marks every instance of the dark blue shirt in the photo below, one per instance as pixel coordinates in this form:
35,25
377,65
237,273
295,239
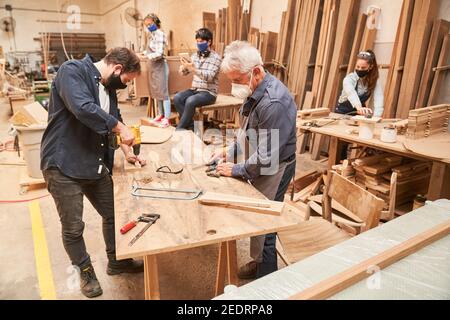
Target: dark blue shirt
76,138
271,106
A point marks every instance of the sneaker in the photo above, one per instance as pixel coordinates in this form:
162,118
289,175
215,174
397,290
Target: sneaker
164,123
124,266
89,285
248,271
158,119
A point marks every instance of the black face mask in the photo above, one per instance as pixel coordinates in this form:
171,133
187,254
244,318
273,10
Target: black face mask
362,73
114,83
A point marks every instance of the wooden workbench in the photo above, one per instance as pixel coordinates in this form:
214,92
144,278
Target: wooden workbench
338,132
187,224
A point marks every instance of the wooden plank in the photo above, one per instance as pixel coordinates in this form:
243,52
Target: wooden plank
348,15
360,30
151,279
399,56
440,30
349,277
418,44
221,269
438,80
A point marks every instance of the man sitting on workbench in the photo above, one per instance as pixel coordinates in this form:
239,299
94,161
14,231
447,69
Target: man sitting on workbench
75,156
267,141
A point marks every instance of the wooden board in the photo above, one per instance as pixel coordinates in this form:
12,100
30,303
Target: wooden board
440,30
398,59
187,224
242,203
425,11
350,276
438,80
154,135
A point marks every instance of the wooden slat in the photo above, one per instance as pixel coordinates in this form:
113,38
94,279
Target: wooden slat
403,31
444,59
440,30
425,11
357,42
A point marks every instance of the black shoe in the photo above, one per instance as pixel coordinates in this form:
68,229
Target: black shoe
89,284
124,266
248,271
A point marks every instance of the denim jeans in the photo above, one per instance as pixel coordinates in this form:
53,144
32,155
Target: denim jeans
68,196
186,102
270,262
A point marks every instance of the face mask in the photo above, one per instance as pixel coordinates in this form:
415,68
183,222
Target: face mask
202,46
114,83
152,27
242,91
362,73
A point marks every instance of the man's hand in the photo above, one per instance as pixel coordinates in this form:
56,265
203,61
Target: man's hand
217,155
126,136
364,111
225,169
133,159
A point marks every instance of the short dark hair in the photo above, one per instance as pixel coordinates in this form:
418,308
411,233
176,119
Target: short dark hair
127,58
204,34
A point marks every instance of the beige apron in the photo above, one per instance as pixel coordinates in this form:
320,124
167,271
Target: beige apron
157,79
266,184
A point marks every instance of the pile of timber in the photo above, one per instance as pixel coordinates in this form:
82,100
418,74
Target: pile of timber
425,122
305,185
374,173
315,47
233,23
419,59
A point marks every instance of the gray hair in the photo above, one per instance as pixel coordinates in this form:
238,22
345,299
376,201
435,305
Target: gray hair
241,56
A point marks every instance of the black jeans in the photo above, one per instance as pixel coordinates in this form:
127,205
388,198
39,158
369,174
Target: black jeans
68,195
270,262
186,102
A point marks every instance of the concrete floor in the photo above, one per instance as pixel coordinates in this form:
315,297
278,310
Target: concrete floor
188,274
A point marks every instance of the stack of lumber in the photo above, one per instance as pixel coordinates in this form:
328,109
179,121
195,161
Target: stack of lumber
305,185
345,169
232,23
374,174
417,50
428,121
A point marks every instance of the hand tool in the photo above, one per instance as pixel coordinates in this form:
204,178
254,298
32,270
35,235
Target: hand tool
115,141
152,220
130,225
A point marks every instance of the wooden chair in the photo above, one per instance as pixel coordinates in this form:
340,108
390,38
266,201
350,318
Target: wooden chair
359,208
353,205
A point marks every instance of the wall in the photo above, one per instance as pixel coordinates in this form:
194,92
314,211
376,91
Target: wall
27,26
183,17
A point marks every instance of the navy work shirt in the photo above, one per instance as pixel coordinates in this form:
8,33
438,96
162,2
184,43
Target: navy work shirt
76,138
271,106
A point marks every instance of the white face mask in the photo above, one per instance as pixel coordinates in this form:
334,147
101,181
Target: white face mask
242,91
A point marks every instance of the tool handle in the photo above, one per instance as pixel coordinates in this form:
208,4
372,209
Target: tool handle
130,225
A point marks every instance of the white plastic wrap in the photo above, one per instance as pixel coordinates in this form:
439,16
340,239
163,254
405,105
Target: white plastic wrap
422,275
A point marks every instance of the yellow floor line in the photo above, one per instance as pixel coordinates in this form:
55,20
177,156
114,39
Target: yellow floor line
43,266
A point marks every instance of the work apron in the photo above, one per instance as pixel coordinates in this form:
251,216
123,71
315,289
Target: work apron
158,79
347,108
266,184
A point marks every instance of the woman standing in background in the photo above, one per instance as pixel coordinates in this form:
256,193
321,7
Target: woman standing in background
158,75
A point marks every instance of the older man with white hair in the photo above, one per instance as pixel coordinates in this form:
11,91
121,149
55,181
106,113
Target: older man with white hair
266,143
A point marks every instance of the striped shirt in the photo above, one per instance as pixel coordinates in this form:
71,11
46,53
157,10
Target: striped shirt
156,45
206,75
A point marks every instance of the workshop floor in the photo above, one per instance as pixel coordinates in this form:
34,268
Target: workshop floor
34,265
